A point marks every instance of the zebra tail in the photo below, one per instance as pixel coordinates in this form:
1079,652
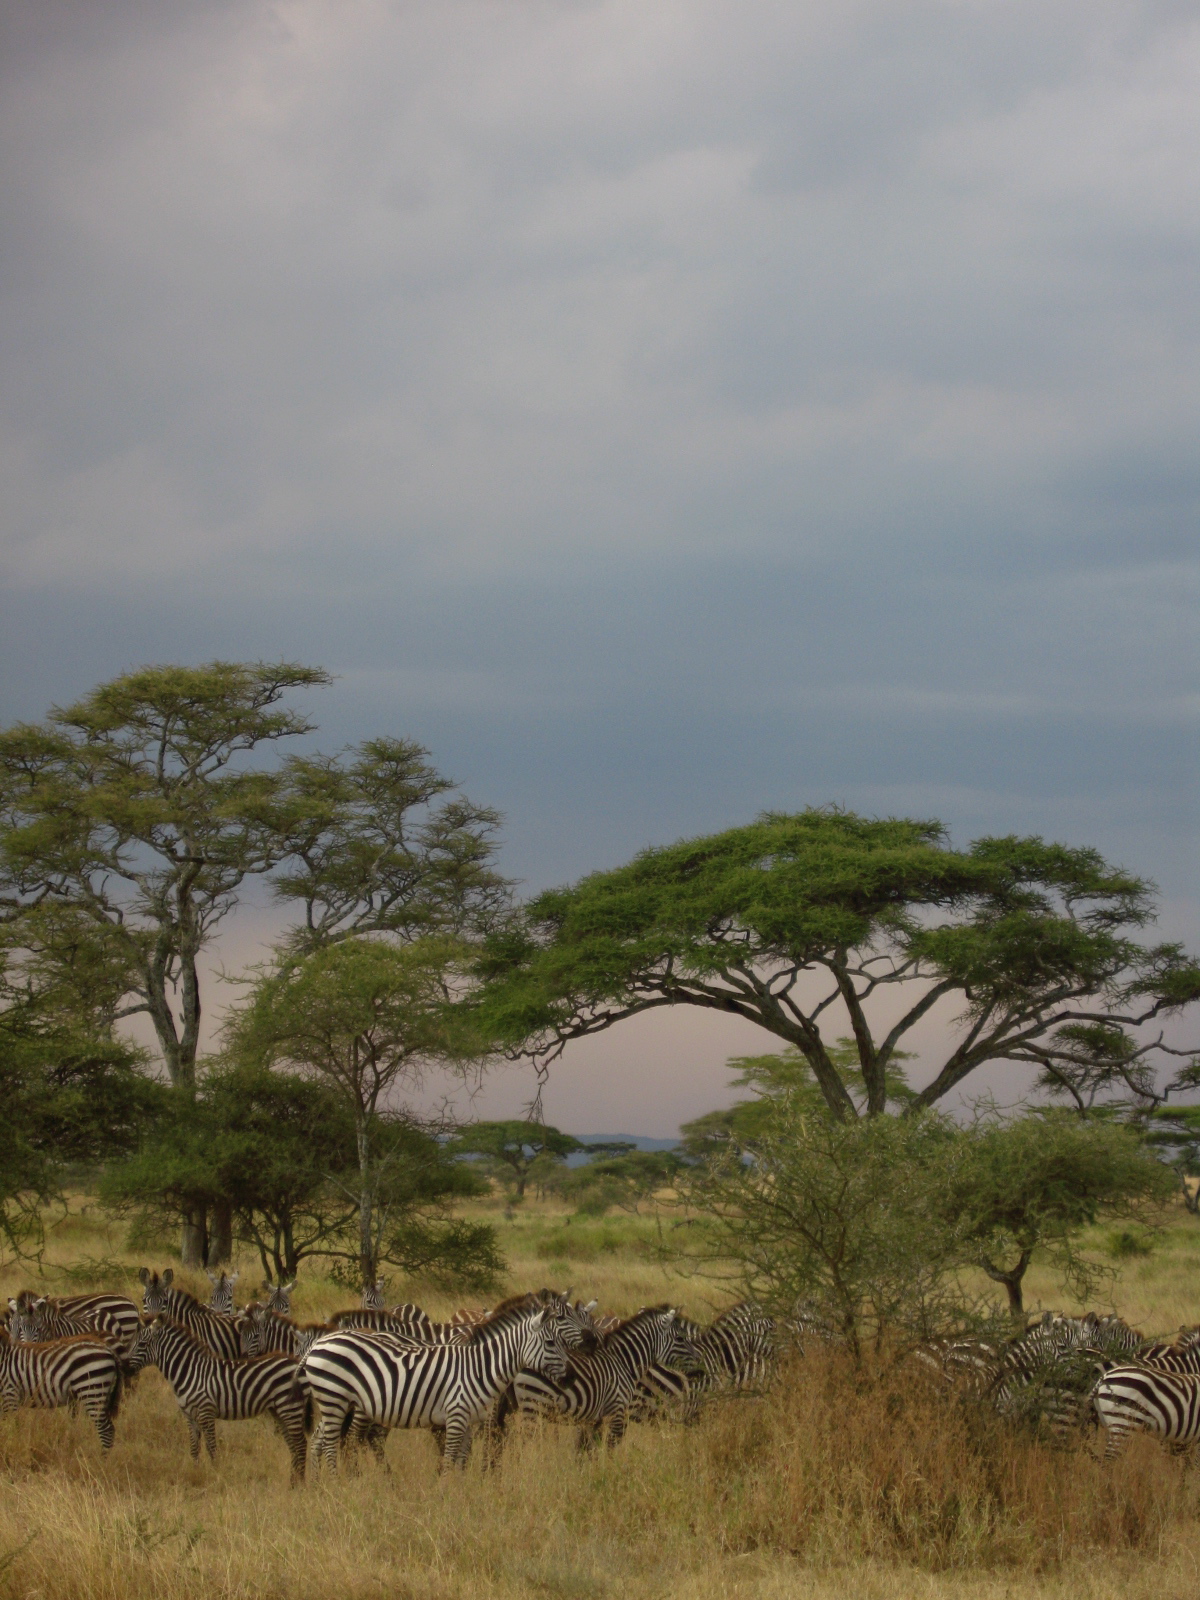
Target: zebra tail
308,1411
113,1404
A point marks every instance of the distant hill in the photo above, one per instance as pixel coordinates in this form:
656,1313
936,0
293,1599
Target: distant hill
638,1139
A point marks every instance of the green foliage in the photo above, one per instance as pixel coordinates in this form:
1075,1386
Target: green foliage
128,822
1034,1182
366,1016
841,1217
69,1097
281,1150
1028,937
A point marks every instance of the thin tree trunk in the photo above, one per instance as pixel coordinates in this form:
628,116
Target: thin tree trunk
220,1234
366,1244
1012,1281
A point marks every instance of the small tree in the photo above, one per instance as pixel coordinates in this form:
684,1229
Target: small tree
1032,1183
841,1216
366,1016
627,1180
515,1149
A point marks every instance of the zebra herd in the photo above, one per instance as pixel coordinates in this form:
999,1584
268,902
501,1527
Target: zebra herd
1066,1372
373,1368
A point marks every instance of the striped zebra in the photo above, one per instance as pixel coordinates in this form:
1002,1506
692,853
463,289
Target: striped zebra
209,1389
81,1370
373,1293
263,1331
1047,1374
366,1379
403,1319
279,1296
37,1317
736,1351
221,1299
1130,1399
600,1387
1182,1356
161,1298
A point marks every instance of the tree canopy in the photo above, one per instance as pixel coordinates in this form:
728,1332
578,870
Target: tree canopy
803,923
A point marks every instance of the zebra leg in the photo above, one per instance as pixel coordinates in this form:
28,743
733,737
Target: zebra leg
585,1439
458,1439
291,1425
616,1427
208,1423
331,1430
194,1435
438,1433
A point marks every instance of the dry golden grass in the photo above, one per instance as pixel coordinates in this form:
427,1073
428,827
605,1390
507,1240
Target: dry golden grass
830,1485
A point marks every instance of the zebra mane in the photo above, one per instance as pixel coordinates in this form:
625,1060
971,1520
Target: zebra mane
161,1319
631,1324
503,1314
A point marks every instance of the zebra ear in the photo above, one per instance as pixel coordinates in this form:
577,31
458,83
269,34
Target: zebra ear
288,1287
168,1277
591,1305
212,1277
12,1305
268,1286
144,1275
233,1278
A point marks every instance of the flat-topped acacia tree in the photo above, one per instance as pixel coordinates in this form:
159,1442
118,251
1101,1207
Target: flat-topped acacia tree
803,923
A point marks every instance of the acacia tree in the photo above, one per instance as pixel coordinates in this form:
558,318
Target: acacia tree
1032,1183
517,1147
802,922
368,1016
128,824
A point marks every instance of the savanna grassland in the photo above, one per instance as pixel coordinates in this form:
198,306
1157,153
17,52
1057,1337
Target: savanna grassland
832,1484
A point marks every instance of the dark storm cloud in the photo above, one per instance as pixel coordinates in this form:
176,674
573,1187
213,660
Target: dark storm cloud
664,411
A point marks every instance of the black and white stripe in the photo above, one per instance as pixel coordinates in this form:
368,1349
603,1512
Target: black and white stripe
161,1298
736,1351
263,1331
221,1299
366,1379
210,1389
600,1387
279,1296
1132,1399
39,1318
82,1370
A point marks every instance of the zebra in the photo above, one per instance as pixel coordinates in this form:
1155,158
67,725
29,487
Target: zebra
735,1351
1047,1373
221,1299
1136,1398
601,1386
1183,1356
40,1318
218,1332
372,1295
209,1388
279,1296
262,1330
81,1370
375,1379
404,1319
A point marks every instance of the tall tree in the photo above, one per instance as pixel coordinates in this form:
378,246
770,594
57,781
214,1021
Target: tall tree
514,1149
128,823
379,842
801,921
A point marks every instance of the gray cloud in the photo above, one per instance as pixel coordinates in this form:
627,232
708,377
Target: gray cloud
664,411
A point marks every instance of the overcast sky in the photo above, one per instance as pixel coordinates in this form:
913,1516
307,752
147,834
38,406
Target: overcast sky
663,411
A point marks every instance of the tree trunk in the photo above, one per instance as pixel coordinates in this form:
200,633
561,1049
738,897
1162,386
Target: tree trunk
220,1234
1011,1280
193,1246
366,1244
